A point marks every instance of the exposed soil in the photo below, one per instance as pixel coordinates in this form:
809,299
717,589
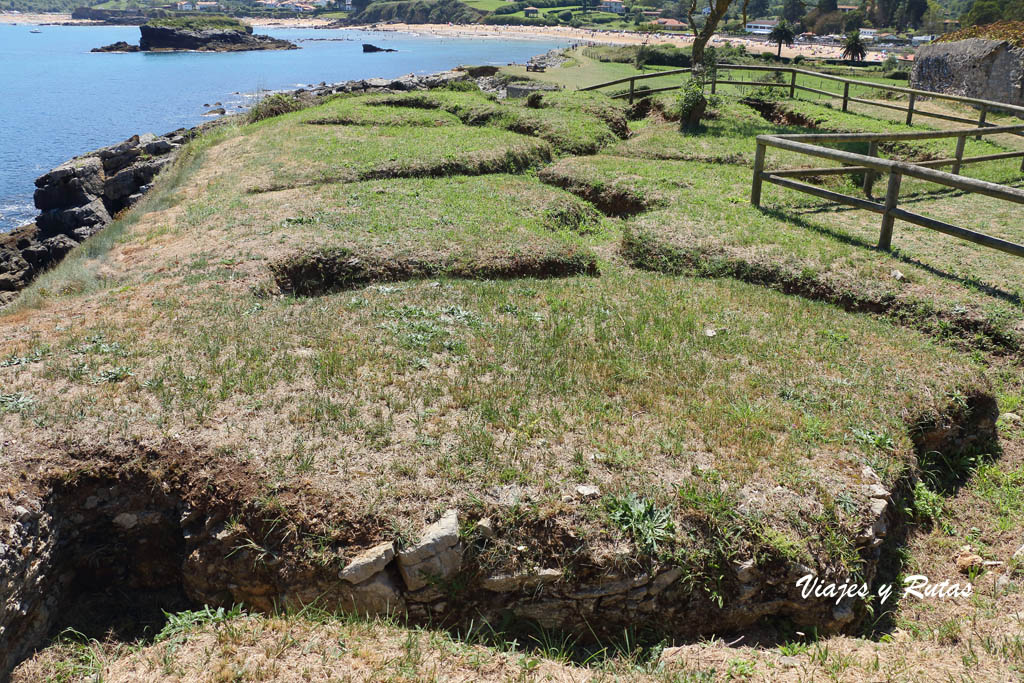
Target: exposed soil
332,270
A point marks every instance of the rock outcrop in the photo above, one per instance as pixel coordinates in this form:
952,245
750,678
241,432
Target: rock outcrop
373,48
169,39
77,199
119,46
987,69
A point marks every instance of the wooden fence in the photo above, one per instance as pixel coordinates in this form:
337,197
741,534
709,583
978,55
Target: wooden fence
870,165
794,86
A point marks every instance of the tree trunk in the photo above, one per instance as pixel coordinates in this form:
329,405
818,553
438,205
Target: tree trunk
779,53
701,38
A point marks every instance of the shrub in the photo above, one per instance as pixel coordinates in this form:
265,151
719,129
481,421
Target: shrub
462,86
272,106
565,16
691,104
645,522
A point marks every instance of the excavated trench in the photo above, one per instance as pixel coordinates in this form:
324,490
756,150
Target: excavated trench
108,554
101,556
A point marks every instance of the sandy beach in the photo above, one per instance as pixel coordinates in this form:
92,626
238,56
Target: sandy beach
567,33
41,19
579,35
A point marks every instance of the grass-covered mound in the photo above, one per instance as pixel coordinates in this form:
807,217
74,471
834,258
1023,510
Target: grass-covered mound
790,246
574,123
285,155
329,364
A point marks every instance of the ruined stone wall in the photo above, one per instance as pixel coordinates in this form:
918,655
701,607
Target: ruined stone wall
987,69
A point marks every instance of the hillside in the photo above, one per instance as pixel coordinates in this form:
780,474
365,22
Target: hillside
418,12
531,371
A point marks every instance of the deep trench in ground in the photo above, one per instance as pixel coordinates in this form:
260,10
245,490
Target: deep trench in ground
107,555
104,559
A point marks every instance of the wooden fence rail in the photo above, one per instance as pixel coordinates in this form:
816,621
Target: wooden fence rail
793,85
870,165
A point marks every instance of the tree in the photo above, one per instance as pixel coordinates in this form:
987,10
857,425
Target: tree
701,36
782,33
792,10
757,8
983,12
932,19
853,21
853,48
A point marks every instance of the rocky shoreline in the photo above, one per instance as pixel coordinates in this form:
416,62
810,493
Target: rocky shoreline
81,196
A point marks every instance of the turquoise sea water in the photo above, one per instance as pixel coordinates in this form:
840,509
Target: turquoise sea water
58,100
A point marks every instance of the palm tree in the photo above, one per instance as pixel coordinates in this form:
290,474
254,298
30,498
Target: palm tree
782,33
853,48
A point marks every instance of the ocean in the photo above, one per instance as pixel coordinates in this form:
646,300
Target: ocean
58,100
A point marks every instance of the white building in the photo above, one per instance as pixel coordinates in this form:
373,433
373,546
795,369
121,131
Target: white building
762,26
613,6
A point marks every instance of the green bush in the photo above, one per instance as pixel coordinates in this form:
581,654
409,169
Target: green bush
690,104
272,106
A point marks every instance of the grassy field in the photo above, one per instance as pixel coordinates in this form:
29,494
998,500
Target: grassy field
486,5
383,307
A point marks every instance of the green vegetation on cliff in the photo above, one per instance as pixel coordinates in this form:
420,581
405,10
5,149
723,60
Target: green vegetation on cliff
200,23
419,12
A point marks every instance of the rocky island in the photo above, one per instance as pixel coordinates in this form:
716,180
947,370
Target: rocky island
200,34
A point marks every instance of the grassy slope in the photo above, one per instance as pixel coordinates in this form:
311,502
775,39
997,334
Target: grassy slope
406,398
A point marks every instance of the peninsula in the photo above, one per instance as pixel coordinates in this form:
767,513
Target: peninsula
216,33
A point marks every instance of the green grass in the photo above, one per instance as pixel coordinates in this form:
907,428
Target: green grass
306,303
485,5
199,23
293,156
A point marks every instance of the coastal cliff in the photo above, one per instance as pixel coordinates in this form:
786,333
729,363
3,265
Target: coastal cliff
157,38
199,34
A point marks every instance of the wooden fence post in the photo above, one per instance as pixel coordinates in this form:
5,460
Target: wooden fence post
792,84
869,175
981,118
632,84
959,154
891,197
846,96
714,80
755,187
910,107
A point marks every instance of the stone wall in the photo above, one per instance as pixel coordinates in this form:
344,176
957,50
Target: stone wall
986,69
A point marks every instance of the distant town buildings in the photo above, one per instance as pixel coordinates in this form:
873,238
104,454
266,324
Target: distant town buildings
290,5
671,23
202,6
